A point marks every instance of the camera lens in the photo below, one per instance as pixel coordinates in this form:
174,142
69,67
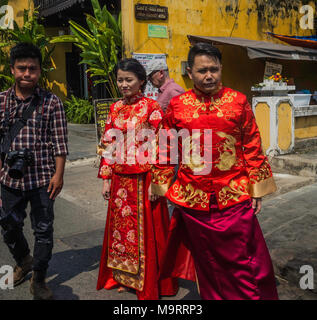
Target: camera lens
17,169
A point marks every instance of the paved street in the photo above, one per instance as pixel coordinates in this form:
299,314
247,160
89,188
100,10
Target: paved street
288,220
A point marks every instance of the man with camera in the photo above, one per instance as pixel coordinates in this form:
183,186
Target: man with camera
33,134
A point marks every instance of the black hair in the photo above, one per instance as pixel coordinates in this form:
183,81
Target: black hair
202,48
134,66
25,50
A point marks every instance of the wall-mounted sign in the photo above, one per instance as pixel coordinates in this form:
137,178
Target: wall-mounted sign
157,31
272,68
150,12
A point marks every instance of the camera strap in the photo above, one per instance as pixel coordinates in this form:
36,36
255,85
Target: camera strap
19,124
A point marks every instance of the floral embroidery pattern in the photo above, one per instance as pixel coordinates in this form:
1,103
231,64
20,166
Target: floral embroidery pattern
117,235
120,247
163,176
156,115
234,191
130,111
129,265
200,105
105,170
190,195
122,193
260,174
131,236
118,203
126,211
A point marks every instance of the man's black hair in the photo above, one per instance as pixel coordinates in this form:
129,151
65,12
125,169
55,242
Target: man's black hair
24,50
203,48
134,66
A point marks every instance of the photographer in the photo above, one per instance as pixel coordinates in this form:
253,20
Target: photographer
33,158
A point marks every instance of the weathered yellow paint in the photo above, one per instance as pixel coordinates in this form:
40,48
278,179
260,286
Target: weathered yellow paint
18,9
214,18
262,116
57,78
305,127
284,114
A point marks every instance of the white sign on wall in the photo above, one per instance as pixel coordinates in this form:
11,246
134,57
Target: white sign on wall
145,58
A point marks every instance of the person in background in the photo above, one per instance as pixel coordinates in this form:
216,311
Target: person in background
158,75
136,229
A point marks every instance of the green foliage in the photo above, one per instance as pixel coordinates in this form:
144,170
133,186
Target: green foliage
79,110
100,45
31,31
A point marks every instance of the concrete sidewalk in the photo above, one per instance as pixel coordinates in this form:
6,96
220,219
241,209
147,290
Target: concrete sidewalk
288,221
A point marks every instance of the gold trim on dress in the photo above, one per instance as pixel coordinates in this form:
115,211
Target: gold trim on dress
162,176
136,281
234,191
190,195
198,105
159,189
262,188
262,173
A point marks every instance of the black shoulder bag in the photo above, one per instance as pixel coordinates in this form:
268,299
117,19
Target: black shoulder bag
7,219
18,125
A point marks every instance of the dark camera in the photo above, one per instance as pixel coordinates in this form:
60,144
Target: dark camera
17,161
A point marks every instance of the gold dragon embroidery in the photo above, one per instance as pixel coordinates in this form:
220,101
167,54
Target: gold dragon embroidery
227,152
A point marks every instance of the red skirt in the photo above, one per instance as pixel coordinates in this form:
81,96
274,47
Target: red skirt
152,223
227,249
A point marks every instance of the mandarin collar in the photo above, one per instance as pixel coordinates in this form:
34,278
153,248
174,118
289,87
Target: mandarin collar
133,99
208,96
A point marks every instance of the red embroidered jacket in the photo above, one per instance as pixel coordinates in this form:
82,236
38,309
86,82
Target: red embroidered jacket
239,169
143,113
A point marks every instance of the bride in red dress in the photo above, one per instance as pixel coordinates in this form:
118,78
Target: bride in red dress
136,229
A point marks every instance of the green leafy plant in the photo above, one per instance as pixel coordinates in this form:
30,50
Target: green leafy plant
31,31
79,110
101,45
6,78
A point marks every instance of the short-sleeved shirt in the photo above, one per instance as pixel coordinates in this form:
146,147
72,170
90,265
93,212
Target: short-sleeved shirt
44,136
168,90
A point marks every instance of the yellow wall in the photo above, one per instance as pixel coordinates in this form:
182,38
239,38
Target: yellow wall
18,7
305,127
214,18
58,83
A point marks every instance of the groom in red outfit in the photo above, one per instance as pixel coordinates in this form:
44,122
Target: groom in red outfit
214,230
